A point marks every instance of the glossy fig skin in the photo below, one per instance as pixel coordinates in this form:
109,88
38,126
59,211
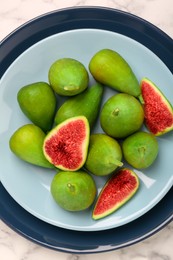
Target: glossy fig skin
27,142
109,68
86,103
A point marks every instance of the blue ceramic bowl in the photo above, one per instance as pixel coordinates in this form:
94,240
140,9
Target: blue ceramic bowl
26,56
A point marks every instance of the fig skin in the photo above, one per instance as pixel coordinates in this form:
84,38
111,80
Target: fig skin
86,103
121,115
68,77
73,191
27,142
140,150
104,155
109,68
38,102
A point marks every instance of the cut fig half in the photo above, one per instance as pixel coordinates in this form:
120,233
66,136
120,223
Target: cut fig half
158,112
116,192
66,145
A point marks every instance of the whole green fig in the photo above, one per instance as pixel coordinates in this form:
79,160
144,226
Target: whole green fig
27,144
110,68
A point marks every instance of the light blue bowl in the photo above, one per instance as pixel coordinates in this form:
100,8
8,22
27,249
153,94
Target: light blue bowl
30,185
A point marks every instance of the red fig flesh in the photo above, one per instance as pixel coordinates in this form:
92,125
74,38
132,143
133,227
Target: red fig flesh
158,111
66,145
117,191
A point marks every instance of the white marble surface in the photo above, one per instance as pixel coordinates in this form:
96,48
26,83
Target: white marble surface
13,13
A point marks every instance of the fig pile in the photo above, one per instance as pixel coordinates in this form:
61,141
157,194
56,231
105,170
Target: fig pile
62,137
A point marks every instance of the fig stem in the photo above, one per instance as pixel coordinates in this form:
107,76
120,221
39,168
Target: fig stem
115,112
71,87
141,99
116,162
71,187
141,151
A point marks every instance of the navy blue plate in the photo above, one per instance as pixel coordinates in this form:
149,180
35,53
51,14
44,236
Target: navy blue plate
11,212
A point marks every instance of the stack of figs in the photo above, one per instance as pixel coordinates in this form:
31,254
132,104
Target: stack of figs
62,137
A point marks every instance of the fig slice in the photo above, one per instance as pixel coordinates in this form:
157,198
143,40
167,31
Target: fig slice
117,191
66,145
158,111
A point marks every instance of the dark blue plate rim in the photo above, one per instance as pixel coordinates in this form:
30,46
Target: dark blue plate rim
17,42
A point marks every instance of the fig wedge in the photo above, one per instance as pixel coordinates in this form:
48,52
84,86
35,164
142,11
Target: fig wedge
116,192
158,111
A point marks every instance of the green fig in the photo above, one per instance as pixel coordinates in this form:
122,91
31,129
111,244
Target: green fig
68,77
73,191
27,144
38,103
104,155
110,68
140,149
121,115
87,104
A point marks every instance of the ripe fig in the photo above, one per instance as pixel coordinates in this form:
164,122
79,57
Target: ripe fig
110,68
27,142
68,77
66,145
121,115
86,103
157,109
140,149
38,102
73,191
121,186
104,155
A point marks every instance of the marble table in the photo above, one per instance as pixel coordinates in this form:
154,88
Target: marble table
14,13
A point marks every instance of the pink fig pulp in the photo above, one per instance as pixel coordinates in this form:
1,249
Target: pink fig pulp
66,145
158,112
116,192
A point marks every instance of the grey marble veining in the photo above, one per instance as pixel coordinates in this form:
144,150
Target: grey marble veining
14,13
